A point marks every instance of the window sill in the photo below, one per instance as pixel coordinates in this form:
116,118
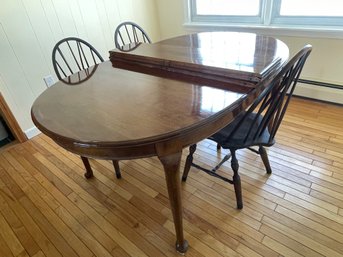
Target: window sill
315,32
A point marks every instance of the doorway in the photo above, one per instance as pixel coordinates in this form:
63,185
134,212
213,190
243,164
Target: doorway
10,130
6,135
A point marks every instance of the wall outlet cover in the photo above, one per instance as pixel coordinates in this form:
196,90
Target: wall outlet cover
49,81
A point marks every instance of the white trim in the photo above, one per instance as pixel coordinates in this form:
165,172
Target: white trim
187,9
31,132
267,11
333,95
314,32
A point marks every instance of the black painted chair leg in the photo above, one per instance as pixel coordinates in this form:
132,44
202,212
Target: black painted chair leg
189,161
89,171
264,156
218,147
116,168
236,180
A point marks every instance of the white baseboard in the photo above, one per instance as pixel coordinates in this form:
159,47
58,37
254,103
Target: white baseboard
333,95
30,133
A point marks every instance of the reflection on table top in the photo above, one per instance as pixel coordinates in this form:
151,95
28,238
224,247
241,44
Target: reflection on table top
245,57
115,105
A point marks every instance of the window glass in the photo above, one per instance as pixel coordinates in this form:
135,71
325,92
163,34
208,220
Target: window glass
311,8
228,7
292,13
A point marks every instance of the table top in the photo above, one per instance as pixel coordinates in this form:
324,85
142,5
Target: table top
106,112
240,58
119,107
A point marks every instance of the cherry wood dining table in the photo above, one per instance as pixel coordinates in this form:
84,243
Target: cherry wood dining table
157,99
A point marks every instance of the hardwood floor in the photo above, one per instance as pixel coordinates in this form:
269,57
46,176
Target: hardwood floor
47,207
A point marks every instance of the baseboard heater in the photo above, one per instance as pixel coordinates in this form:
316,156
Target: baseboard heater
321,84
321,91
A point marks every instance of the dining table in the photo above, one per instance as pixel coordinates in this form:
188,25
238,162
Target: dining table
157,99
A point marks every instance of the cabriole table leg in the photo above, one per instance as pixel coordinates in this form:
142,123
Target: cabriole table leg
171,164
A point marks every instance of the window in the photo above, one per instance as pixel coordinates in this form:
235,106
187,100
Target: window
302,13
242,11
308,12
228,7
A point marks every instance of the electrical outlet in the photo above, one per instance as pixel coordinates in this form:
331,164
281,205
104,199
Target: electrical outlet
49,81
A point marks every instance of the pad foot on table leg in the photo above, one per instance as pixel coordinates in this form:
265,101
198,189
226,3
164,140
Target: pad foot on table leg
182,249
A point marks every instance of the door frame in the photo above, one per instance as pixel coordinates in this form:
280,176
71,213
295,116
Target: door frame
11,121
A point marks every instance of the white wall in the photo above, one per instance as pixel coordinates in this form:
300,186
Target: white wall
29,30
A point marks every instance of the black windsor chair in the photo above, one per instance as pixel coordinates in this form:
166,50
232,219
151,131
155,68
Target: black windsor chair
71,55
256,126
129,32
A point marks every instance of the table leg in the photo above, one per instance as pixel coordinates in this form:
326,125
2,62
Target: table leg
171,164
89,171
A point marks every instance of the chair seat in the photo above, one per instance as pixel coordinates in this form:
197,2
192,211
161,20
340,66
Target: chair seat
237,140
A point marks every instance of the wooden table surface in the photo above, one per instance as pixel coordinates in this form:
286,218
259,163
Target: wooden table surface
217,58
120,114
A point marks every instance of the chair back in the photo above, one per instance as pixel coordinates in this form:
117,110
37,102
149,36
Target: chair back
268,110
129,32
73,54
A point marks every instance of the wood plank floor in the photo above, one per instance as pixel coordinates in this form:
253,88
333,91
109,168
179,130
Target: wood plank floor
47,207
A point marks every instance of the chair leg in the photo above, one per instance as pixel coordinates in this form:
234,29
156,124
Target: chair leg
218,147
236,179
89,171
262,151
189,161
116,168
